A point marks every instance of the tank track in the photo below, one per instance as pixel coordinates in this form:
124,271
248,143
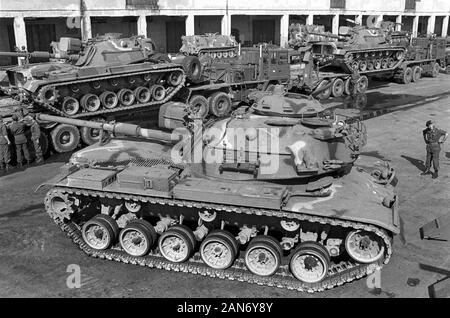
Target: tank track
137,105
344,272
348,62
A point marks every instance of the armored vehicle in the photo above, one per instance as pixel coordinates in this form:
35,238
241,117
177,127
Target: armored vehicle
270,195
215,46
94,79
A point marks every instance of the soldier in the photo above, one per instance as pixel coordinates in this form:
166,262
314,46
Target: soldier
433,138
35,136
18,130
5,156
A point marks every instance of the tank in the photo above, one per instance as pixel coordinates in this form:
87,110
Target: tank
215,46
263,197
95,78
360,48
300,35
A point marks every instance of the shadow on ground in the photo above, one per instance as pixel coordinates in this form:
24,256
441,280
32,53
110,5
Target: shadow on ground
419,164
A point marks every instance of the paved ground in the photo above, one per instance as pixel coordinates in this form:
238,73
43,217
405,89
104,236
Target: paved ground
34,255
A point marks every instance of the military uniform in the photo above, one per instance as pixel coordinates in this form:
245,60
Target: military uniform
35,135
18,130
5,156
431,137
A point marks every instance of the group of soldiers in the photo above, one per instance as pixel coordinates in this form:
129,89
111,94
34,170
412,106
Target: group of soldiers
21,119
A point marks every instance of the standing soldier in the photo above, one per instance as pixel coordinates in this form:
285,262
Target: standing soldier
5,156
35,135
433,137
18,130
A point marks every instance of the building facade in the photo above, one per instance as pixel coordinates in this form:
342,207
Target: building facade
32,25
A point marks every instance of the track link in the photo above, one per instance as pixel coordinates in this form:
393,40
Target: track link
338,274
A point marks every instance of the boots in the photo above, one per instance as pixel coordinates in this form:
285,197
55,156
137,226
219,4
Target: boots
427,171
435,175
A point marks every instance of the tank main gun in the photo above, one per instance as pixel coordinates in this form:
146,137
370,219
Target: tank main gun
42,55
116,128
329,35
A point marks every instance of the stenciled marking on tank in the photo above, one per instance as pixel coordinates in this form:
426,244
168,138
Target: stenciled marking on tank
309,205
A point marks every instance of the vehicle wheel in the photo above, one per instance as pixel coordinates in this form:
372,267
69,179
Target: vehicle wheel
70,106
126,97
391,62
370,66
177,243
97,233
435,70
90,102
64,138
362,66
112,223
310,262
263,255
365,247
360,101
135,239
193,68
377,64
325,94
407,76
199,106
363,84
337,88
150,229
175,78
142,94
416,73
219,104
109,99
348,86
158,92
384,63
218,250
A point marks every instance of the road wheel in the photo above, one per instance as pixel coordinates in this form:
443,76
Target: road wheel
384,63
109,99
126,97
199,106
90,102
177,243
363,84
363,65
310,262
377,64
142,94
337,88
435,70
219,104
218,250
175,78
64,138
407,76
135,239
416,73
158,92
348,86
263,255
97,233
70,106
365,247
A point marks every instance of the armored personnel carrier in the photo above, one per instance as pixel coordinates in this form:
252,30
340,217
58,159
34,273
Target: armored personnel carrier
215,46
270,195
94,79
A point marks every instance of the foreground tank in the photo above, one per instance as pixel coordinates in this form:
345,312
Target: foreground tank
270,197
215,46
95,78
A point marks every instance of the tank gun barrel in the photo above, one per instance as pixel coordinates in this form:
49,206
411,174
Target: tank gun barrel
328,35
116,128
40,55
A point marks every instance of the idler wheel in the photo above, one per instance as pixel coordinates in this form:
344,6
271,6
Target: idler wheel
136,239
90,102
64,138
416,73
337,88
407,75
158,92
70,106
177,243
98,233
364,247
142,94
109,99
126,97
219,104
310,262
199,106
175,78
384,63
377,64
219,249
263,255
363,83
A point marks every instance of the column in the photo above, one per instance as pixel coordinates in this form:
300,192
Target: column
358,19
310,19
431,23
398,20
142,25
226,24
190,26
20,36
445,26
86,30
335,24
379,19
284,30
415,25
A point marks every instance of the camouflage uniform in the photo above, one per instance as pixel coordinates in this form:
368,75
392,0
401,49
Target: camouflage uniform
433,147
18,130
5,156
